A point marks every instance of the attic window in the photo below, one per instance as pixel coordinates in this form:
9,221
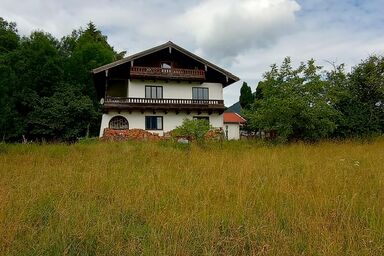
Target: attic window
166,64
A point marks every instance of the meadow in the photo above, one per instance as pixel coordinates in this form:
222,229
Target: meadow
234,198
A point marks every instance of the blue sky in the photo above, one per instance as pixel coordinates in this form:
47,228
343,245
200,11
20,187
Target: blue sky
243,36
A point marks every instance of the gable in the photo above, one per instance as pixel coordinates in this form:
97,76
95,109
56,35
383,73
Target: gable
178,56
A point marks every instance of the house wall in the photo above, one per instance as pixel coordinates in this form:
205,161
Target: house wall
170,120
232,131
174,90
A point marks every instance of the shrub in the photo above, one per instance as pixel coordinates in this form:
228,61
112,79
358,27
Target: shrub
192,129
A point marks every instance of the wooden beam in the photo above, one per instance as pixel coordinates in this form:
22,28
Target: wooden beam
170,49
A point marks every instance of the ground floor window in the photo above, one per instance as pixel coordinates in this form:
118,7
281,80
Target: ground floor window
154,123
118,123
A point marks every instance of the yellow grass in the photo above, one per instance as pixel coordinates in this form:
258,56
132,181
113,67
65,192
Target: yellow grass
159,199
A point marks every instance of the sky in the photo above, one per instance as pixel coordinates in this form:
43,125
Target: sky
242,36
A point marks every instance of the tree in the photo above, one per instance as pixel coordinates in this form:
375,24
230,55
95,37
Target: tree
363,108
46,86
86,50
10,124
295,103
63,116
9,39
246,96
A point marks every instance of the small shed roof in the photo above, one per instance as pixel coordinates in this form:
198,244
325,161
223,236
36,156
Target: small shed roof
234,118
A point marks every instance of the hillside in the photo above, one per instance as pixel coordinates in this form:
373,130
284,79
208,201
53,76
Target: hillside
234,108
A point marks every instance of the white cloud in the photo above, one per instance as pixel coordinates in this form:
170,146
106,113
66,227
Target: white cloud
225,28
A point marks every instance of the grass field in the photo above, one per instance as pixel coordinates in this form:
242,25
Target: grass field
235,198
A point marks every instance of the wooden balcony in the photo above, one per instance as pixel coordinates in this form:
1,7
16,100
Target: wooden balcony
168,73
144,104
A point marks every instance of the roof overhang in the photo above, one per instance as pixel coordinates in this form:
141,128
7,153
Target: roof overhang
230,78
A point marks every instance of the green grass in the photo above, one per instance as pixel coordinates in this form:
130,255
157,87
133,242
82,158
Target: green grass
236,198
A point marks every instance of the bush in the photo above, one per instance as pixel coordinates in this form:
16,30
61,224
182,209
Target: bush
192,130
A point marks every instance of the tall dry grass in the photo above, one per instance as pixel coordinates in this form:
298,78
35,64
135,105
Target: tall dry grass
221,199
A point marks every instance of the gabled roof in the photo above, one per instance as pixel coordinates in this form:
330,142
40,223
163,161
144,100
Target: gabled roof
161,47
231,117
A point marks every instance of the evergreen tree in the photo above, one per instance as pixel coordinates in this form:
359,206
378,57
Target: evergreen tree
246,96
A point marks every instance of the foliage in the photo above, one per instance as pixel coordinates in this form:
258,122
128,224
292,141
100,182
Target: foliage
192,129
295,102
231,198
308,104
9,39
246,96
45,83
363,108
65,108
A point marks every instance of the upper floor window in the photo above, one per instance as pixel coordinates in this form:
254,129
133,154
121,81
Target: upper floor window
153,92
166,64
200,93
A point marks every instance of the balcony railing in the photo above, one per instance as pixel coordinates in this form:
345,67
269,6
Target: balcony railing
167,73
146,103
123,100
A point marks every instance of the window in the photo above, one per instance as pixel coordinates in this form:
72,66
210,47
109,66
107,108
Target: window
118,123
153,92
153,123
201,118
166,64
200,93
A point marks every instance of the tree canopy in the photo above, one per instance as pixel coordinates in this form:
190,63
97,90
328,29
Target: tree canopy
308,103
45,83
246,96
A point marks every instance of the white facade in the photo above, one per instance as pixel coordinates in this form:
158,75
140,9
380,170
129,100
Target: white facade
232,131
160,87
174,90
170,120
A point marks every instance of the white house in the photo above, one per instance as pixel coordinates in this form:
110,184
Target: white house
159,87
232,124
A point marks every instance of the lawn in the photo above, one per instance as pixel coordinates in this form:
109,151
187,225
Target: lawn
235,198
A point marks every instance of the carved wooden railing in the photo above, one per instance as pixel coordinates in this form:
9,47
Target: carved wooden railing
171,73
122,100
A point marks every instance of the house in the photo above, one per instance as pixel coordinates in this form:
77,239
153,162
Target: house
232,124
158,88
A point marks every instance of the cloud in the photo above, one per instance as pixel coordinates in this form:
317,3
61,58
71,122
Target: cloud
225,28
